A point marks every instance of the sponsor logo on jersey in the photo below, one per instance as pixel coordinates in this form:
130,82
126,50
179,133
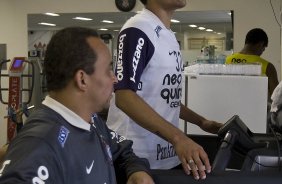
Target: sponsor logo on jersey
172,83
42,175
89,169
238,60
136,57
119,67
171,93
164,152
157,30
63,135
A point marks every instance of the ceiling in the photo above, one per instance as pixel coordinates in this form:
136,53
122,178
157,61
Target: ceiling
219,21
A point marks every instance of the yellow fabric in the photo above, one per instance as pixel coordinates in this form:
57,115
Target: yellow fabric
248,59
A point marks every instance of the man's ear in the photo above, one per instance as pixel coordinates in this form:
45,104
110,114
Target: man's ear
80,79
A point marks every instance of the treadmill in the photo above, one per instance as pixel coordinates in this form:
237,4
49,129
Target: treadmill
256,157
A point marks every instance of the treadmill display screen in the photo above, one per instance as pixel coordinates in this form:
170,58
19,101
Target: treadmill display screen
17,63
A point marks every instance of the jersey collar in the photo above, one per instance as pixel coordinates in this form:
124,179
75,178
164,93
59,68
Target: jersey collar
154,17
66,113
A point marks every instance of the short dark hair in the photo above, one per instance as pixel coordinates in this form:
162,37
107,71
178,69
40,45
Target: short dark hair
67,52
144,2
255,36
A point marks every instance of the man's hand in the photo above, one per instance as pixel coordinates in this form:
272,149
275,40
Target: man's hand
211,126
193,158
140,177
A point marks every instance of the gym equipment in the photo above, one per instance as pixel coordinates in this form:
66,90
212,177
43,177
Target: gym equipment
19,91
16,115
217,177
39,88
261,151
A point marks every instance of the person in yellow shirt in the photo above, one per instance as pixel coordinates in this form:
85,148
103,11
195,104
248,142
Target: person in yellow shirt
255,43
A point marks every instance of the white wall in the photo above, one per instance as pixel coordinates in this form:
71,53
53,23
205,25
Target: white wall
13,33
37,37
248,14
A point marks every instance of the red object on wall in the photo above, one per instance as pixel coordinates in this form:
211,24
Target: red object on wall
14,102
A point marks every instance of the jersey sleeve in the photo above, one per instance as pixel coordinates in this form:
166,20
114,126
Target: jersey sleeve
135,50
30,160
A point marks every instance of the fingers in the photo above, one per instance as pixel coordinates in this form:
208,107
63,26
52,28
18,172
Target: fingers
194,169
186,166
197,168
193,158
206,162
197,164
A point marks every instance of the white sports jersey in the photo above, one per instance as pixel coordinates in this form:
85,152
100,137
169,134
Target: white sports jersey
149,62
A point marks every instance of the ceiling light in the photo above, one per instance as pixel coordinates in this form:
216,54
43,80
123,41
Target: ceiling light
201,28
52,14
219,33
82,18
209,30
103,29
107,21
174,21
116,30
192,25
46,24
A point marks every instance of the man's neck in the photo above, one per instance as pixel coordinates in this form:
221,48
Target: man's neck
73,102
249,50
163,15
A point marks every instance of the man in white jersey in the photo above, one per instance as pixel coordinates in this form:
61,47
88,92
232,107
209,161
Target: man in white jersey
148,93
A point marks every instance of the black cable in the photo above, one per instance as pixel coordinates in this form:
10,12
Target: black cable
270,1
278,147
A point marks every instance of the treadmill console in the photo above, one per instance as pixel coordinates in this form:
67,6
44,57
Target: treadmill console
235,136
17,65
243,134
